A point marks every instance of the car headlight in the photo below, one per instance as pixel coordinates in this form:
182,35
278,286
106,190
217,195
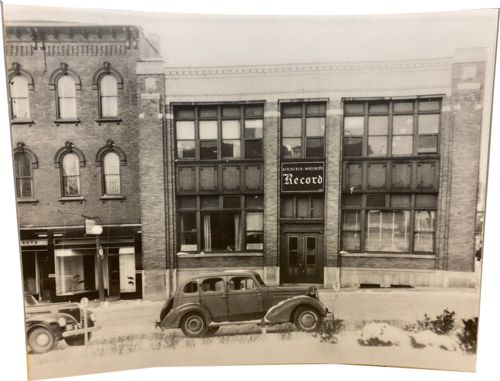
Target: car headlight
92,317
61,321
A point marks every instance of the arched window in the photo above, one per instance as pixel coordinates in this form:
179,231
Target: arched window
66,97
111,174
108,96
70,175
23,174
19,101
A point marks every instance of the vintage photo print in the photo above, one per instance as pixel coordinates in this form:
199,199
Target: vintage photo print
248,190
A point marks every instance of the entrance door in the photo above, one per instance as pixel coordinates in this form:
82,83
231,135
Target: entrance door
301,257
114,275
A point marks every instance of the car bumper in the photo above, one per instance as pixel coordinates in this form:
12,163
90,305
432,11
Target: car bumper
80,331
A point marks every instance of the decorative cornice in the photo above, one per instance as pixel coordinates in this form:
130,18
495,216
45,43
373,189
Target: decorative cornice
69,147
110,147
298,69
21,149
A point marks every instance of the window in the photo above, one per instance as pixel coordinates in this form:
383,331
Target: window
66,97
390,175
219,132
19,99
229,223
302,207
391,129
191,288
108,96
303,130
111,174
213,285
70,175
242,284
24,176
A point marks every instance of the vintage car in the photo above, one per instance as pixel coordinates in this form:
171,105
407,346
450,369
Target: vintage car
46,324
202,304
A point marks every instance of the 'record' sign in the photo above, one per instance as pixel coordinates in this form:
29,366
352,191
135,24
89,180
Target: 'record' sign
302,177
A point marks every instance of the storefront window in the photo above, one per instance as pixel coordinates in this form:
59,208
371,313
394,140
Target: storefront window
75,271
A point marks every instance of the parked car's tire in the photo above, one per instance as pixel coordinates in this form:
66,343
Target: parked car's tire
307,319
77,340
41,340
194,325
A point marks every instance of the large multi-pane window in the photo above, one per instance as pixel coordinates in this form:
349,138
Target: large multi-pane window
229,223
390,175
219,132
219,178
19,99
24,176
303,130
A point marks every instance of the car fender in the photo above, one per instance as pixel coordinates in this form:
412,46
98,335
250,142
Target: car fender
283,311
174,317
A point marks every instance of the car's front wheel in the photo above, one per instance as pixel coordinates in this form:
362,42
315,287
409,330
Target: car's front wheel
193,325
307,319
41,340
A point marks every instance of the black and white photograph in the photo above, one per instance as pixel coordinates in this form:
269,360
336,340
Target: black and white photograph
247,189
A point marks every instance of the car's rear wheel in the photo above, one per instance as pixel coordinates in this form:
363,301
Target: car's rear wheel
307,319
193,325
41,340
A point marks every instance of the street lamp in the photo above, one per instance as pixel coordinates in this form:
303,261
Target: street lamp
91,228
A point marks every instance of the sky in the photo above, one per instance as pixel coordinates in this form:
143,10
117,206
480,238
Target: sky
208,40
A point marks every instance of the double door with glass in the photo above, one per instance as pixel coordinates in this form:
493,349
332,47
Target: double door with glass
301,257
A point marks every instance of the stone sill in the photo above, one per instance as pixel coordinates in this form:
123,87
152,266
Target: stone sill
118,197
212,255
57,122
388,255
22,121
109,120
72,199
27,200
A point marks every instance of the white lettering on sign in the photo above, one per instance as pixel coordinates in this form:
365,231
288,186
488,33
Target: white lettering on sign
290,179
34,242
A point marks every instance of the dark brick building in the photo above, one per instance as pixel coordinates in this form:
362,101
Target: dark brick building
74,119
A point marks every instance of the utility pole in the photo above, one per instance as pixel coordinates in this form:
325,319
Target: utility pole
91,228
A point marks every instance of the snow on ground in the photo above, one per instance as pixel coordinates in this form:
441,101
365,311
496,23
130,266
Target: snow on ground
127,338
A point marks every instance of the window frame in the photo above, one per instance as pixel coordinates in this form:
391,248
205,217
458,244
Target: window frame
304,138
391,113
200,211
59,97
100,97
12,99
219,118
103,174
63,177
17,168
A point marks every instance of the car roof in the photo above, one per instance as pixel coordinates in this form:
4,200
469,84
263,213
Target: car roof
221,273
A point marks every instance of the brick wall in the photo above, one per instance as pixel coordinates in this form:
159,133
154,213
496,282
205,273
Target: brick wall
45,138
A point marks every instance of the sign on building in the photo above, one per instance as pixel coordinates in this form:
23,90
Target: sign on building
303,177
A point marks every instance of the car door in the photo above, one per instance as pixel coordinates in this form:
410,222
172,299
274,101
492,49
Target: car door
213,295
244,298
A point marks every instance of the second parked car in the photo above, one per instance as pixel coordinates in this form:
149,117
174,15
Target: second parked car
202,304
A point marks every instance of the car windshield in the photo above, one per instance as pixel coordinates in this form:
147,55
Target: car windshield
29,300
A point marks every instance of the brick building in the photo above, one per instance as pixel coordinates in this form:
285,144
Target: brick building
341,174
74,119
